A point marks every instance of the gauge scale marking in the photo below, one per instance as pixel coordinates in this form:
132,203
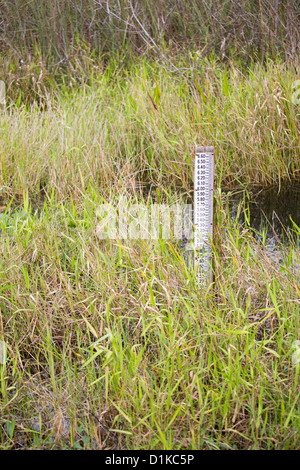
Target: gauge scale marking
203,213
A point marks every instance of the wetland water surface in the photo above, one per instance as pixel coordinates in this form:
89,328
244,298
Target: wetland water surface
274,216
273,212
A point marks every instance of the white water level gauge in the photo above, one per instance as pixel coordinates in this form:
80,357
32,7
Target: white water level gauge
203,212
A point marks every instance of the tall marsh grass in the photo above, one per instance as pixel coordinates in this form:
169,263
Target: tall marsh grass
59,29
139,128
110,343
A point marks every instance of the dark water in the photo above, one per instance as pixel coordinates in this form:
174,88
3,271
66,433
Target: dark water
271,210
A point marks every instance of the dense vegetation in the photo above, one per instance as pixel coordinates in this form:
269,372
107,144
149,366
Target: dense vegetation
111,344
58,29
